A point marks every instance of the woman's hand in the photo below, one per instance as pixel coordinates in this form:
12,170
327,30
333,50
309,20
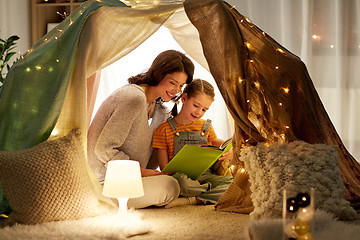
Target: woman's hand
150,172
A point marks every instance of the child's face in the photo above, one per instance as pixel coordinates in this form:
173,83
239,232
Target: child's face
171,85
195,107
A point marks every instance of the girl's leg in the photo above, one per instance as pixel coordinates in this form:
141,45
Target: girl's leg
189,187
158,191
219,186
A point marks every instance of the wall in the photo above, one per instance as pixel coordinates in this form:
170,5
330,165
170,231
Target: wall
15,19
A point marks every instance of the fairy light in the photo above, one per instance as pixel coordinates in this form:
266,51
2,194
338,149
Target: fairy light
280,104
263,33
56,38
332,46
286,90
287,127
280,50
38,67
248,20
248,101
27,69
242,170
277,67
315,37
248,45
57,60
257,84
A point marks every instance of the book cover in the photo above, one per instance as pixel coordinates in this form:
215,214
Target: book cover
194,160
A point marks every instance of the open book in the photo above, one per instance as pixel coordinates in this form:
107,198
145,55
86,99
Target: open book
194,160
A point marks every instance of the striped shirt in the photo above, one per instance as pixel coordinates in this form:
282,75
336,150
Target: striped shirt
164,135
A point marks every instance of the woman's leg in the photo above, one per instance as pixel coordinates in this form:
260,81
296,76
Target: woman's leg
158,191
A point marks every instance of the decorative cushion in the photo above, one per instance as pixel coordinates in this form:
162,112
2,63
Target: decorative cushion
296,167
49,182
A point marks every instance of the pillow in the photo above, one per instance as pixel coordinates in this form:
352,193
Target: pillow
296,167
49,182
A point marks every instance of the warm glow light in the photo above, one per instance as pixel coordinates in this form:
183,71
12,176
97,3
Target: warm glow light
280,104
280,50
287,127
248,20
332,46
248,45
123,181
240,80
286,90
242,170
257,84
38,67
315,37
277,67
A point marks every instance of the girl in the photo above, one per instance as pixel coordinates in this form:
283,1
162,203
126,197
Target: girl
187,127
124,124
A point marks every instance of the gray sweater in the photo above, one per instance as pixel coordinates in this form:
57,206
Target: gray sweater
120,129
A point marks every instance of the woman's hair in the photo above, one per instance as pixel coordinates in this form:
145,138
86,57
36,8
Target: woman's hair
195,87
167,62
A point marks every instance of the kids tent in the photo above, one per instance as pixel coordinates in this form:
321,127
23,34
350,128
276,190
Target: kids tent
266,88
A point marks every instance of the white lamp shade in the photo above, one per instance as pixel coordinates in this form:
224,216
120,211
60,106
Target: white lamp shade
123,179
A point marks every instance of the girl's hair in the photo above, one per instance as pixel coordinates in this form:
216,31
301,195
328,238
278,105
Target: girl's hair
195,87
167,62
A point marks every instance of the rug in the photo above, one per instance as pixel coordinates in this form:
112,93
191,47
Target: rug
101,227
326,228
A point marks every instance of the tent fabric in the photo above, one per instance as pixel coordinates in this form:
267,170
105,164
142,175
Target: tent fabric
45,92
267,88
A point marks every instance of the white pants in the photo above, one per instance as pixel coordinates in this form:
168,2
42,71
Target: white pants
158,191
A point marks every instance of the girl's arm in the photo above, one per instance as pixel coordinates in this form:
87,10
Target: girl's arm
163,158
226,156
217,142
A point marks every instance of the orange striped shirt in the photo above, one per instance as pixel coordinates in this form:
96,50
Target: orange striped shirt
164,135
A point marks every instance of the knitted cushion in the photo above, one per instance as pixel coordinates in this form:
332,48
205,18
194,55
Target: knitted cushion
296,167
49,182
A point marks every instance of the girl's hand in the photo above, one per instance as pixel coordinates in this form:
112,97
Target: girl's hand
150,172
227,156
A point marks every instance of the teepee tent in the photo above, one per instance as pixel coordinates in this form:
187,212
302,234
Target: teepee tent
266,88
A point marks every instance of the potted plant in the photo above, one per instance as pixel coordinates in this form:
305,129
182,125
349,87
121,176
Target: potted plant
5,55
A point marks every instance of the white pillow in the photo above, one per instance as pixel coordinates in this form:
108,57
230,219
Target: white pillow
296,166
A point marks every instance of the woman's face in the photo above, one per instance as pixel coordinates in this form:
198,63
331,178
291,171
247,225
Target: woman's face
171,85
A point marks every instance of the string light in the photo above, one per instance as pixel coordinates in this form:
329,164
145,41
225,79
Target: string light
315,37
280,104
280,50
286,90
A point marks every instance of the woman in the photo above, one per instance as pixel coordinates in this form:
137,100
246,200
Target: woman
124,124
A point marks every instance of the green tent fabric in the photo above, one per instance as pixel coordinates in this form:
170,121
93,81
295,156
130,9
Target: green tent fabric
46,90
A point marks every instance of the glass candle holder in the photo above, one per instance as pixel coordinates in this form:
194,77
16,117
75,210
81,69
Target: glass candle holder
298,215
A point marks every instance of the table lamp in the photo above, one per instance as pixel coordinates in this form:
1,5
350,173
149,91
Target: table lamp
123,181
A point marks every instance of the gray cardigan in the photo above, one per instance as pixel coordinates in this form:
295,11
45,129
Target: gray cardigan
120,129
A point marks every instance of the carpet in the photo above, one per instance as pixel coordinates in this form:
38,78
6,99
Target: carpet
326,228
185,222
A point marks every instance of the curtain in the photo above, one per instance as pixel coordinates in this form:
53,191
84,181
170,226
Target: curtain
267,88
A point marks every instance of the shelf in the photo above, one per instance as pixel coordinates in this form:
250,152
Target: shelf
46,12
